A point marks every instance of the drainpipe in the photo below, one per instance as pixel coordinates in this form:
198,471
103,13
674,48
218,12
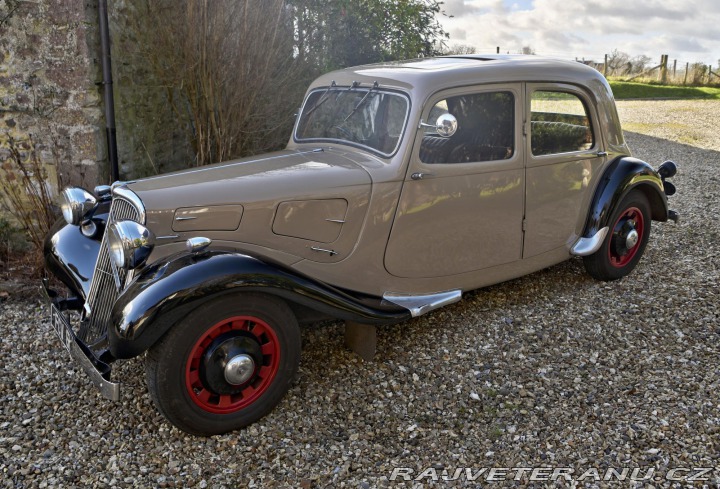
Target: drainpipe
108,91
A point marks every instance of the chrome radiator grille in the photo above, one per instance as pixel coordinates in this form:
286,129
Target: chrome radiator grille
108,280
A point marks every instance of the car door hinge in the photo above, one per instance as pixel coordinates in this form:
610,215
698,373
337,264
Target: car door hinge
524,225
524,128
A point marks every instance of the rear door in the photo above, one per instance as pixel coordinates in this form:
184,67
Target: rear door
564,157
461,206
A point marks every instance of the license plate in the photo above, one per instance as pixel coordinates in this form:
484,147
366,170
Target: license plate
98,371
62,328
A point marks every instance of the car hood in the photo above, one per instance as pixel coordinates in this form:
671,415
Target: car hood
275,177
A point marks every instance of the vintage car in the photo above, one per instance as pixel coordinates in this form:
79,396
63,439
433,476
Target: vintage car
403,185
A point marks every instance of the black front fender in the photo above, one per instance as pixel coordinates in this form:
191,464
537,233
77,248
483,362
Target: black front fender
623,175
165,293
71,256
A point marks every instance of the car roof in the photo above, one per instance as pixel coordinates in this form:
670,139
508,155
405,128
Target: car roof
432,74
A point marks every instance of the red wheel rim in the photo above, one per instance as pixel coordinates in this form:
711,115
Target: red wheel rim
250,391
630,219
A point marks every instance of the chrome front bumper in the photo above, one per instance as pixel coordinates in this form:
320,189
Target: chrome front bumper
96,369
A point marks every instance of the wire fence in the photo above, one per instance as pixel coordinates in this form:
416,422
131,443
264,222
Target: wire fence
666,72
623,67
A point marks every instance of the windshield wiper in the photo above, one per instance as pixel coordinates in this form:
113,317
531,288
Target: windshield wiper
362,101
323,98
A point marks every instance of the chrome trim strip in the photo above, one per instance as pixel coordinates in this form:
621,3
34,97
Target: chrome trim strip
340,221
421,304
167,237
130,196
588,246
188,218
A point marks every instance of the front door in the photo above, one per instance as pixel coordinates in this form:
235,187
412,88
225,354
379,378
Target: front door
461,206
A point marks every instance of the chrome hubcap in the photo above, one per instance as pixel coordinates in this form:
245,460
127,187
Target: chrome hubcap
239,369
631,239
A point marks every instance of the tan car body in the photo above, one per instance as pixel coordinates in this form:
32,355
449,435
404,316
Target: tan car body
369,216
355,220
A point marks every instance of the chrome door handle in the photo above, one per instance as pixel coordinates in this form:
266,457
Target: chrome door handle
420,176
601,153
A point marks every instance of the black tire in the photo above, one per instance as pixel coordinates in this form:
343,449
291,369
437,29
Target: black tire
187,372
615,258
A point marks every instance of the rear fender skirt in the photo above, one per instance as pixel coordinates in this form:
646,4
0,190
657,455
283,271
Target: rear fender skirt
165,293
623,175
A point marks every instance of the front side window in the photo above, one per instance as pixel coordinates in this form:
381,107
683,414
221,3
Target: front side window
559,124
485,129
366,117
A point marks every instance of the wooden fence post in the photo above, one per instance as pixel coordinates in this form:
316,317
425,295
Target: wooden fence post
605,67
663,68
674,68
687,68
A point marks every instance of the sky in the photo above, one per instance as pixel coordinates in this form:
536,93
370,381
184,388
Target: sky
686,30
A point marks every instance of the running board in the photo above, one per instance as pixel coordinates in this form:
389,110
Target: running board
421,304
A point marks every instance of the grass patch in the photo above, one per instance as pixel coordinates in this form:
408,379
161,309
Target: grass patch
629,90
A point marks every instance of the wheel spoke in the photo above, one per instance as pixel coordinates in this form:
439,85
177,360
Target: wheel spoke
264,372
268,348
225,401
248,391
240,324
194,377
204,396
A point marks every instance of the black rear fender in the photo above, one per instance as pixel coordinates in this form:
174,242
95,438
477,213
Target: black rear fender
621,177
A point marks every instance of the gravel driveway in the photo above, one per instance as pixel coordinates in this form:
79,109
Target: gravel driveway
551,370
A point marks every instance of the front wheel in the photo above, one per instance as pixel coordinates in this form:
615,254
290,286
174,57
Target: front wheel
226,365
625,242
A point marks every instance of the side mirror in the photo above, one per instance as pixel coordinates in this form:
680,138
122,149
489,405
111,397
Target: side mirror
446,125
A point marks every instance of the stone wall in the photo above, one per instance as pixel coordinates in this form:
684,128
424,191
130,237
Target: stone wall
49,66
50,94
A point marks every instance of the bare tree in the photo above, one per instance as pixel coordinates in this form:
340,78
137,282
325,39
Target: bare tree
228,68
459,49
618,63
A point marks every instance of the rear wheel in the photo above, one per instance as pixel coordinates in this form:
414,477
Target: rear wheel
226,365
625,242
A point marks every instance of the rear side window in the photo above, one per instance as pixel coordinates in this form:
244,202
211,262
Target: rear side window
559,123
486,129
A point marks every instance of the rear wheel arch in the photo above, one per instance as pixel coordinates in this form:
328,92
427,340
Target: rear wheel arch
658,207
623,176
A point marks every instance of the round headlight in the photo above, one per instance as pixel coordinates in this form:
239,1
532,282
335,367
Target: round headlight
76,204
129,244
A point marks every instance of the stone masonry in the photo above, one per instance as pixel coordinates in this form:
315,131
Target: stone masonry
49,66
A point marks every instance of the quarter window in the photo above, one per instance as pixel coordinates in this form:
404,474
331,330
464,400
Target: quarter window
486,129
559,124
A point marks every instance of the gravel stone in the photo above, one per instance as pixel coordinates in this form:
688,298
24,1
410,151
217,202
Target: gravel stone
553,369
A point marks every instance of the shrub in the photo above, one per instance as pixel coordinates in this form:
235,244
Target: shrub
26,194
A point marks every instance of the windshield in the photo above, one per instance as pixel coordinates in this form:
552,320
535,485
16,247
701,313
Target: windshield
366,117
